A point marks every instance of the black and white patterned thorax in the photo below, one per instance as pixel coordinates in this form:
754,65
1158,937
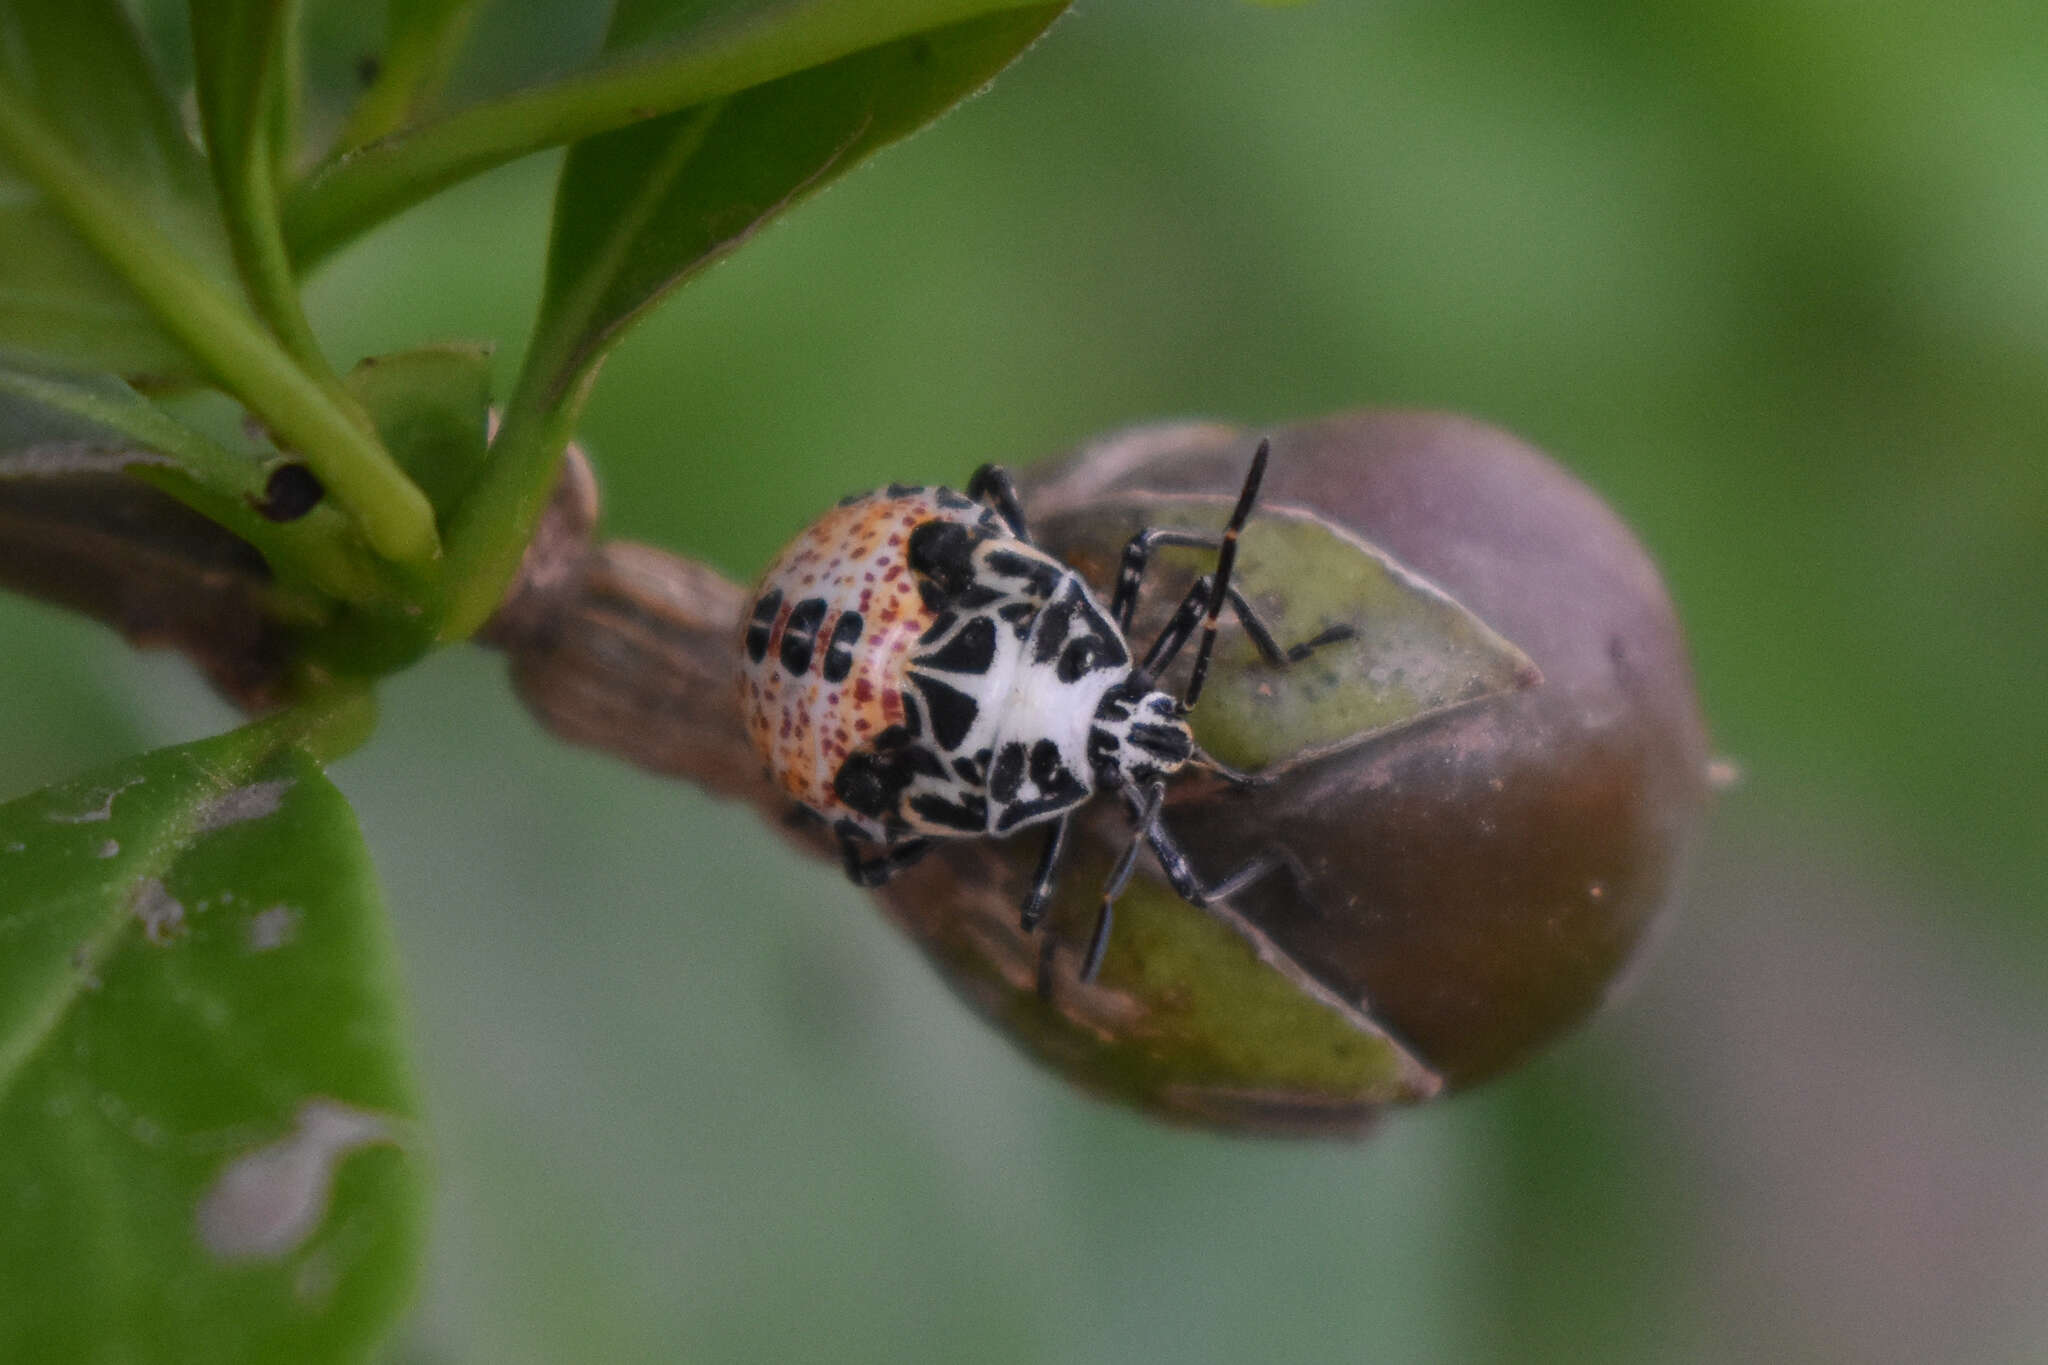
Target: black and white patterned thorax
1010,695
1020,702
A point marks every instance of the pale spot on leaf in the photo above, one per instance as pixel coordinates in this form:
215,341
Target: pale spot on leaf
100,805
265,1203
163,918
272,928
252,802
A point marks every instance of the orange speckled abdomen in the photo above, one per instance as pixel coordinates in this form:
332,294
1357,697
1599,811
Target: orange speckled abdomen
832,626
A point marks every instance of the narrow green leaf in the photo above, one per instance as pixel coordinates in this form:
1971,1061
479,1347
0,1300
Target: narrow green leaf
208,1147
81,65
1416,652
664,55
642,209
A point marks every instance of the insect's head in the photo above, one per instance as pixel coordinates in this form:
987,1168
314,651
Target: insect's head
1138,735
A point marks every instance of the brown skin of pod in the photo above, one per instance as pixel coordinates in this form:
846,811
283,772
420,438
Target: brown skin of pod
1476,881
1483,875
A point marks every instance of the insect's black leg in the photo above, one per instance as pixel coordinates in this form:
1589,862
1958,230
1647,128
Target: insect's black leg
1137,556
1188,884
1269,648
992,484
1178,628
1194,608
873,872
1226,560
1048,871
1119,877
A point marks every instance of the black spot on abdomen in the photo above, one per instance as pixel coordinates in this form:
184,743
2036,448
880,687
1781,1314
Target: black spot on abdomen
762,623
1046,767
839,649
1006,778
952,711
943,553
800,636
972,651
1049,637
969,816
1020,615
870,784
1043,577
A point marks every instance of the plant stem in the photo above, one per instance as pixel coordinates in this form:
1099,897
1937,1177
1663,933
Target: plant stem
394,515
250,210
497,519
333,721
248,94
488,535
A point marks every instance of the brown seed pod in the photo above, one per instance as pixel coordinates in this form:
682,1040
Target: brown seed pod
1483,796
1478,859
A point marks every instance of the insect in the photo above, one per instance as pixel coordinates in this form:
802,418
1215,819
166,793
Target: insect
914,669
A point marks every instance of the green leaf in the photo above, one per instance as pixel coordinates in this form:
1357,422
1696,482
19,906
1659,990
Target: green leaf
422,40
1226,1016
1416,652
98,419
207,1136
663,55
56,426
432,407
237,62
81,65
642,209
59,303
305,409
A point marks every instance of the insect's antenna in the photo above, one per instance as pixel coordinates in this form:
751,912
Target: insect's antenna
1226,559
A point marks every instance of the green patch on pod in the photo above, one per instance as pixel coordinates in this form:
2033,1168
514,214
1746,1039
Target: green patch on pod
1214,1017
1414,650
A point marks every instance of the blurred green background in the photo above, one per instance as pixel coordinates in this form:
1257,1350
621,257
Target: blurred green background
1770,274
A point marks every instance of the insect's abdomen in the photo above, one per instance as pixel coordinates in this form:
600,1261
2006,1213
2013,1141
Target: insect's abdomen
824,647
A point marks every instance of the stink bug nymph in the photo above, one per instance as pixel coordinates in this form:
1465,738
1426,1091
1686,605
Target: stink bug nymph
914,668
